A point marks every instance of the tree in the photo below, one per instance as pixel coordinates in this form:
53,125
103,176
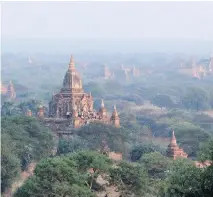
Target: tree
163,101
29,105
206,151
130,178
24,139
66,176
10,164
196,98
55,177
10,109
139,150
91,160
71,145
184,179
156,164
33,141
94,133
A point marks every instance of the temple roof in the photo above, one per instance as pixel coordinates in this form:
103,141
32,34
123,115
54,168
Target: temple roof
173,140
72,78
115,113
71,64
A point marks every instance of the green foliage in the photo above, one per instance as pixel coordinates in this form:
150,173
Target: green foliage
71,145
13,109
10,164
65,176
33,141
10,109
139,150
94,134
24,140
196,98
184,179
156,164
163,101
89,159
130,178
206,151
29,105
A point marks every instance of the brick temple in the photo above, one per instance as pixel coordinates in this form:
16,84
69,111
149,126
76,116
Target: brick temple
173,150
73,104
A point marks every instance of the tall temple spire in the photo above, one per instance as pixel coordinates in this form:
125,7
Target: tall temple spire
102,102
115,118
72,80
173,139
115,113
71,64
11,90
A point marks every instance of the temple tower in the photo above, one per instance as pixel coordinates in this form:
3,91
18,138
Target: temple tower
72,81
173,149
103,110
71,94
73,104
115,120
11,91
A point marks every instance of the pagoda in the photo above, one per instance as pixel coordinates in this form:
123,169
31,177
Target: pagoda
74,104
173,150
11,93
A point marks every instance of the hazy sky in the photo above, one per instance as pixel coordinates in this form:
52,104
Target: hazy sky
172,20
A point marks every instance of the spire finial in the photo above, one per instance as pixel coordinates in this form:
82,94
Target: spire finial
173,140
114,107
71,64
102,102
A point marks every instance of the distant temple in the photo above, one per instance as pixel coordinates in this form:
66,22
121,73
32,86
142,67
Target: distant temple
130,72
8,91
74,104
173,150
202,68
11,91
107,73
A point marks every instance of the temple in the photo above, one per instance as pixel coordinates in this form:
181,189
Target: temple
107,73
74,104
173,150
8,91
